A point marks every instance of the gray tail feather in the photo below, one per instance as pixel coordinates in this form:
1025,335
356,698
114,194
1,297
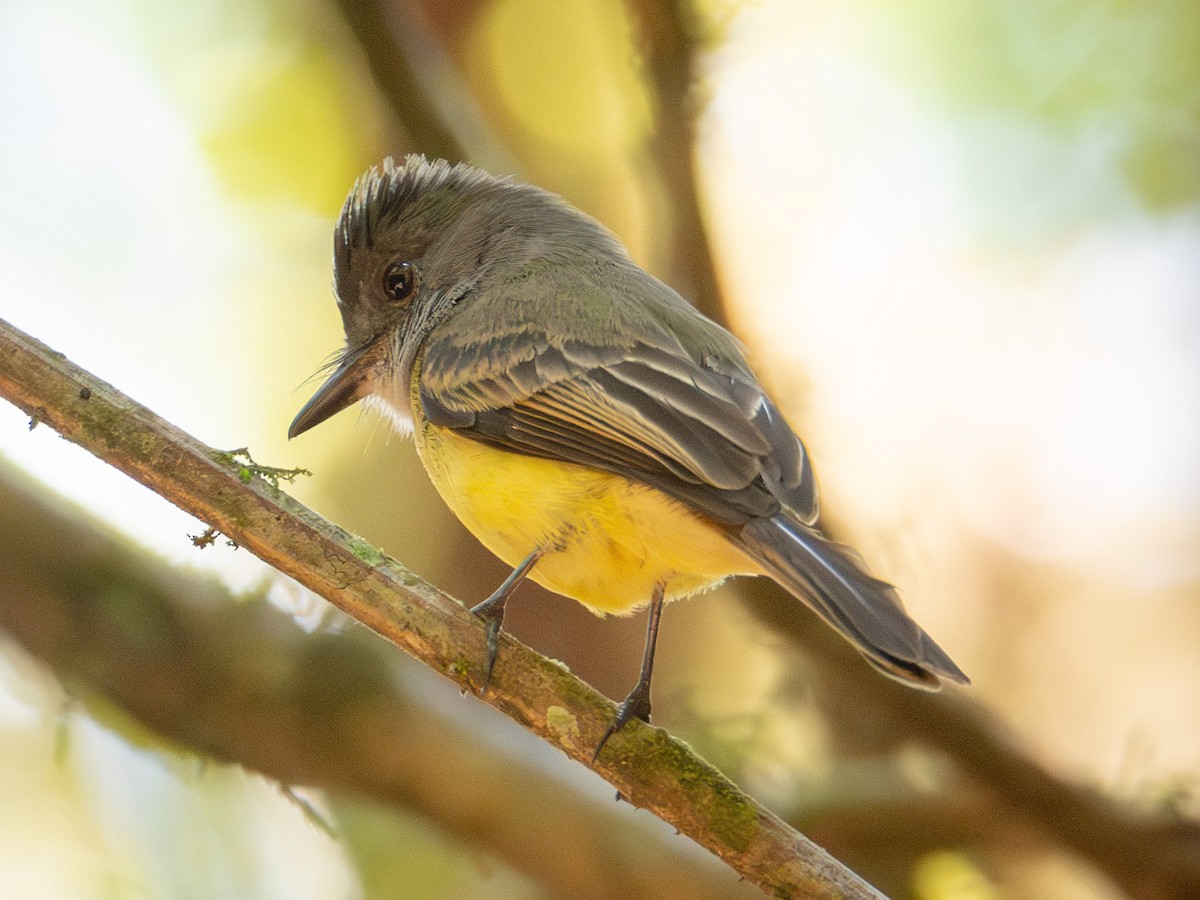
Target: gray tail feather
831,579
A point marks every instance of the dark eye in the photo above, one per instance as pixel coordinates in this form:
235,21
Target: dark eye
400,280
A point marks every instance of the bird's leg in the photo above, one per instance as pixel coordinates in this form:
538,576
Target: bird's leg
492,611
637,704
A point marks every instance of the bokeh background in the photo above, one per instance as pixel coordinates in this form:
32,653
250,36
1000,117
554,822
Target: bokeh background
962,241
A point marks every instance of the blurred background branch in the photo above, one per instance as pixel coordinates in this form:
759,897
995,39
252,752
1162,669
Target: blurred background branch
1151,855
667,34
419,82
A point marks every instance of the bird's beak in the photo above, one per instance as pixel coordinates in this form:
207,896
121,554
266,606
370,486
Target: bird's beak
351,382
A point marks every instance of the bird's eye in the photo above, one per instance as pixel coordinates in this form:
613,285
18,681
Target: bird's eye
399,281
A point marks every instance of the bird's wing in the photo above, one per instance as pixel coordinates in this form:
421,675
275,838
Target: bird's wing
704,434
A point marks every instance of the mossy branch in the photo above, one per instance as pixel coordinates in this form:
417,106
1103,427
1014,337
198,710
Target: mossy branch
234,678
648,767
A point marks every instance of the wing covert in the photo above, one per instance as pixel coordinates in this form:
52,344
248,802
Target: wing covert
709,438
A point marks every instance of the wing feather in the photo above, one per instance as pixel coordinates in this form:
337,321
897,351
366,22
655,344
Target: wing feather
705,435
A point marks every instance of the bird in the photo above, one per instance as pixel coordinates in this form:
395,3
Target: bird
584,421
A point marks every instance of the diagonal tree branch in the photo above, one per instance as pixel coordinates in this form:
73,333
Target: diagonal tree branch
650,768
238,680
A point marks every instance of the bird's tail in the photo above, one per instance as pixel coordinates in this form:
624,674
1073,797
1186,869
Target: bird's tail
831,579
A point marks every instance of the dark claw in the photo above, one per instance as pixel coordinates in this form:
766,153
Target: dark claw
635,706
491,611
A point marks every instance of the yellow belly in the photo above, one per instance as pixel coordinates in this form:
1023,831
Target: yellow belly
610,540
